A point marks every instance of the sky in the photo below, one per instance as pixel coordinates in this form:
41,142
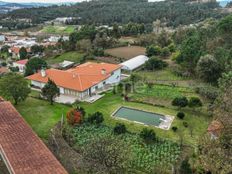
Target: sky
43,1
53,1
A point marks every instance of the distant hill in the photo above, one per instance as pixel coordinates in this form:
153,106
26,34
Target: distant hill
223,3
8,6
108,12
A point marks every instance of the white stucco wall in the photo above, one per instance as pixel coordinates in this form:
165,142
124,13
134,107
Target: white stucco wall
115,78
21,67
38,84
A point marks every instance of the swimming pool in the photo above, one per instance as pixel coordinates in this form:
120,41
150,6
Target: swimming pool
139,116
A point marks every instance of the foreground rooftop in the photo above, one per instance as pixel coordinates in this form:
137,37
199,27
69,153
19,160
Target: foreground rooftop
21,149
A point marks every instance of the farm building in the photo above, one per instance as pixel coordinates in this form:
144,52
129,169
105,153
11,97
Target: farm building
134,63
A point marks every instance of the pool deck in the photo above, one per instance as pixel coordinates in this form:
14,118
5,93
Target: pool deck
165,123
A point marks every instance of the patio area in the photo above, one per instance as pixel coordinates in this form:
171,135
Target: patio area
65,99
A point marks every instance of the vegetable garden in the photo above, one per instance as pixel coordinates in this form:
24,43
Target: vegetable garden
145,155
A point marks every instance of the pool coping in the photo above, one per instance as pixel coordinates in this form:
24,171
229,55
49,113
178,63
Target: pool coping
123,119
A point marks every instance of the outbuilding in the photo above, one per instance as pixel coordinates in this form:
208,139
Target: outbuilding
134,63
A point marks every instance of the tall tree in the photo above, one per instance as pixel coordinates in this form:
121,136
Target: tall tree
216,154
33,65
50,91
23,53
14,87
209,69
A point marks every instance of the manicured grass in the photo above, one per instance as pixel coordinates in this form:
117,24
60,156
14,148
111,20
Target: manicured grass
40,115
73,56
197,120
126,52
58,29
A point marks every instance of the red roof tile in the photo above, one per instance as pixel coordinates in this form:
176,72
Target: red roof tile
21,148
22,62
79,78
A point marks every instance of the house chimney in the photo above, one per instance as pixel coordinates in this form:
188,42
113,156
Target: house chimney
103,72
43,73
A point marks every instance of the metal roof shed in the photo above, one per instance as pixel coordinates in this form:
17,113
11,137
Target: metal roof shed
134,63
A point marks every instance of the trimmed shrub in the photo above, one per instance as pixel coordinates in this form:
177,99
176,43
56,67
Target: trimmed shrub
185,124
180,102
120,128
174,128
96,118
148,135
194,102
180,115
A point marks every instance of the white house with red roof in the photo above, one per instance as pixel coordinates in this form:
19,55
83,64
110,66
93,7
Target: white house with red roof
21,65
82,81
15,51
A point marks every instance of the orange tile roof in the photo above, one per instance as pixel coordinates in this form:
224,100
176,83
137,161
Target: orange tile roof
21,148
79,78
215,127
4,70
16,50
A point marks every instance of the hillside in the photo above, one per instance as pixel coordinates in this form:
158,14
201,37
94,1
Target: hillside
124,11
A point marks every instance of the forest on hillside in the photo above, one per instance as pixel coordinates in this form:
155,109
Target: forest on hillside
98,12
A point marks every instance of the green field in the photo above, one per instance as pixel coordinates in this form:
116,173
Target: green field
40,115
56,29
127,52
73,56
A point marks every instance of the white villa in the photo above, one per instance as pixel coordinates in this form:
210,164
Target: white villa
80,82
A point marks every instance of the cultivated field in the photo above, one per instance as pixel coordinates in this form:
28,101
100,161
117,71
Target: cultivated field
126,52
69,56
58,29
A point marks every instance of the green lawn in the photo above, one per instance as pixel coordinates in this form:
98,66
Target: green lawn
197,121
73,56
58,29
40,115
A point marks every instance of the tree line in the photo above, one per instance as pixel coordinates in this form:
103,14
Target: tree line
108,12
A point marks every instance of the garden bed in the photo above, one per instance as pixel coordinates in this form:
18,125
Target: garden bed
145,156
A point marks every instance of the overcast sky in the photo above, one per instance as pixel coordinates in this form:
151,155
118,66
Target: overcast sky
56,1
43,1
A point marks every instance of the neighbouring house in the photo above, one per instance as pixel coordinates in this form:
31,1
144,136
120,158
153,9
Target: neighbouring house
4,70
21,65
63,20
2,38
21,150
15,51
66,64
215,129
134,63
55,39
83,81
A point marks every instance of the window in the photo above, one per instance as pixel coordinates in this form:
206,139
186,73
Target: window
112,73
104,83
